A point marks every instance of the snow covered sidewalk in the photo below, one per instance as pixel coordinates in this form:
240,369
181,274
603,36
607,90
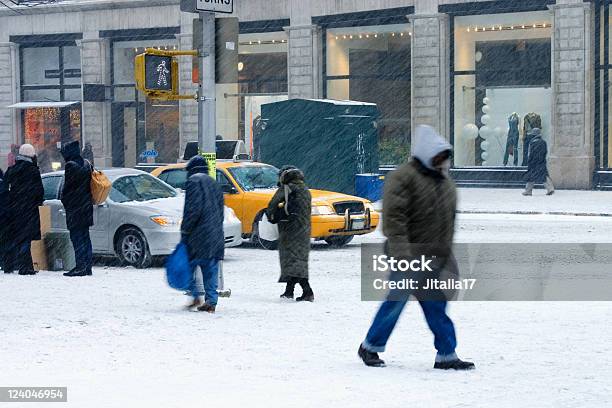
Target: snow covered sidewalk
511,201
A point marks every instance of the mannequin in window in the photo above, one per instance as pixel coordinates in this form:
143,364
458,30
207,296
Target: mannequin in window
513,139
531,121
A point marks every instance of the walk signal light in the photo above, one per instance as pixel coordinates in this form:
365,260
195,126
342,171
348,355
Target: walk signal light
156,73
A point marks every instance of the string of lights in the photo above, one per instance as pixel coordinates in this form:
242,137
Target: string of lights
496,27
372,35
262,42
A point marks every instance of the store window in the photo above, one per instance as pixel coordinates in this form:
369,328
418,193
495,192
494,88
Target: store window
262,78
51,81
502,86
372,64
603,98
144,130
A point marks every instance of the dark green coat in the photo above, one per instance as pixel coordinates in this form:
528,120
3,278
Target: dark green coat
419,208
294,233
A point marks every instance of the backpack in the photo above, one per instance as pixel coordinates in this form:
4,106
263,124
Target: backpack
100,186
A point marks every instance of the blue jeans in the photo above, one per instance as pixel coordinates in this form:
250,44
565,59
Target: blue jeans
83,251
210,280
435,313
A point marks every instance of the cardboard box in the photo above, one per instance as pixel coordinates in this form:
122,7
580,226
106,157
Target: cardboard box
39,252
39,256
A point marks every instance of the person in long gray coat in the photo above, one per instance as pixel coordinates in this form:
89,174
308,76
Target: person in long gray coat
293,202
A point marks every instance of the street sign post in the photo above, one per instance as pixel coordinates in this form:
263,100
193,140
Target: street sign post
213,6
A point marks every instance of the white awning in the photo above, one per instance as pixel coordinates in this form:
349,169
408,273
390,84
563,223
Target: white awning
34,105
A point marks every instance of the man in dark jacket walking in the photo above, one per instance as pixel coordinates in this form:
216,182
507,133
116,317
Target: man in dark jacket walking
26,194
419,212
291,208
77,201
537,172
202,231
6,252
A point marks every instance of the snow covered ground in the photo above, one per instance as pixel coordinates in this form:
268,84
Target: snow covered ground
492,200
120,338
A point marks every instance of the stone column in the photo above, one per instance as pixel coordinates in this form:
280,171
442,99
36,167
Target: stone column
571,158
304,61
9,123
96,122
188,108
430,72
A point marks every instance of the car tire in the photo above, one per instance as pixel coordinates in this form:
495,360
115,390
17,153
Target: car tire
133,249
256,239
338,241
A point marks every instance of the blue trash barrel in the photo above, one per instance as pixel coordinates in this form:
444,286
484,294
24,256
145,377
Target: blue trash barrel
370,186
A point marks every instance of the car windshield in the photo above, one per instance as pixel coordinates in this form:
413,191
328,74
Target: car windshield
255,177
140,187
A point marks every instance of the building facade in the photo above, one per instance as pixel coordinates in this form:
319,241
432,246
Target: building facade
481,72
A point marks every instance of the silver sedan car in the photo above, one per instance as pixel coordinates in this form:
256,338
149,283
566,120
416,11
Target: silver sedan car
141,218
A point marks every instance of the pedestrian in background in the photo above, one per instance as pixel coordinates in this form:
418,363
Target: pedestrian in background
537,171
202,231
26,194
88,153
291,208
12,155
77,201
419,206
6,252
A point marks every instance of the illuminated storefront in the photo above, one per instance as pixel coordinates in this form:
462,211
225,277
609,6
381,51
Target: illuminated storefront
367,58
50,89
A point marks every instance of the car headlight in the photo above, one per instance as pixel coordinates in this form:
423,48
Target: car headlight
322,210
166,221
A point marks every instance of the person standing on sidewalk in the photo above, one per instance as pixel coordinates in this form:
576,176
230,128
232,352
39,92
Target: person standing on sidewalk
77,201
202,231
26,194
6,252
537,172
419,208
293,204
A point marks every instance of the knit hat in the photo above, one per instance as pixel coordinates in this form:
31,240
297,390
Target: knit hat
27,150
71,151
197,164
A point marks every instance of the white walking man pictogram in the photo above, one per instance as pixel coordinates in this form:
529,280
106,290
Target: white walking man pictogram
162,72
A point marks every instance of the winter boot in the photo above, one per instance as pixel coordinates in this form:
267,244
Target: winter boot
195,303
289,290
456,364
370,359
307,294
75,272
206,307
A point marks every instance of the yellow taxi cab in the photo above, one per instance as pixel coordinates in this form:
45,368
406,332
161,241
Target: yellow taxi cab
248,187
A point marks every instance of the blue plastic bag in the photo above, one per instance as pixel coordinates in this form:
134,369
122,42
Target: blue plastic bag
179,270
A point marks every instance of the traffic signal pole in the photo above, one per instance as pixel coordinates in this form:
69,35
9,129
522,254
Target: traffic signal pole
207,116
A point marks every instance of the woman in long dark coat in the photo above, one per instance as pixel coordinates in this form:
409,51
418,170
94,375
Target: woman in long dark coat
6,253
26,194
293,202
537,172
